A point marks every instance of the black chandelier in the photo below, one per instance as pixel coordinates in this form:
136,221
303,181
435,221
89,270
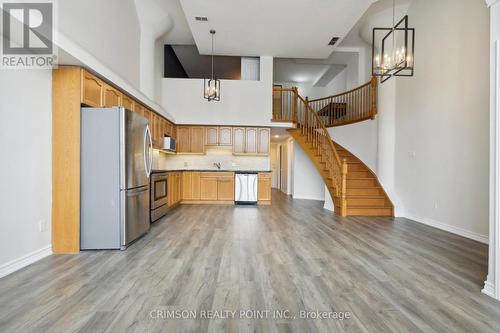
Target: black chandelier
211,87
393,49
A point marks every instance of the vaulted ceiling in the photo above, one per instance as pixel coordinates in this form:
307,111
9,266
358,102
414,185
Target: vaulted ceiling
280,28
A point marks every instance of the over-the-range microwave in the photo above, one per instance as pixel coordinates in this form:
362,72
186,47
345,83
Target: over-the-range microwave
169,143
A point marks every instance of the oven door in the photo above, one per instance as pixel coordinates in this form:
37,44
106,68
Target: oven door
159,191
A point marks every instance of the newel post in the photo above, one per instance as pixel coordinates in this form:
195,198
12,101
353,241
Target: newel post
374,96
295,104
343,194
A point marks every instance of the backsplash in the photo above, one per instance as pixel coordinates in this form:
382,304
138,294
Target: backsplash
224,156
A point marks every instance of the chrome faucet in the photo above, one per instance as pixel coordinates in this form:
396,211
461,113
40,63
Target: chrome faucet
218,165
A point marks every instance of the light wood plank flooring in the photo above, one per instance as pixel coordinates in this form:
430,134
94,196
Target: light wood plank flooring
392,275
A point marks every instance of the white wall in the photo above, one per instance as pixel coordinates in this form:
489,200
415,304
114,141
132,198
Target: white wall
25,170
441,141
307,182
109,30
242,102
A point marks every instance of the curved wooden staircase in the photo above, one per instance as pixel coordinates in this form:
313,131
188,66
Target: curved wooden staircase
354,188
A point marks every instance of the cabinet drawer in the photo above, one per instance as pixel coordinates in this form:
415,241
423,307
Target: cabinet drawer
217,174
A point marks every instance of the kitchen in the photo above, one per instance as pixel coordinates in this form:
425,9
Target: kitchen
183,164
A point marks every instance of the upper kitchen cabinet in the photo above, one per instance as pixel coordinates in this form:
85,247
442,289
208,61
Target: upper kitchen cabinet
251,141
212,136
128,103
218,136
112,97
92,90
191,139
139,109
263,141
225,136
238,140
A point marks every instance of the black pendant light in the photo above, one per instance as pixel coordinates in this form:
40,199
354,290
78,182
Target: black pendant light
211,87
393,49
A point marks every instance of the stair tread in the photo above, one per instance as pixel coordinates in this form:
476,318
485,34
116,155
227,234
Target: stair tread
369,207
368,196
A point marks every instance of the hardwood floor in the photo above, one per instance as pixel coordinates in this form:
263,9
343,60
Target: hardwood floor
391,275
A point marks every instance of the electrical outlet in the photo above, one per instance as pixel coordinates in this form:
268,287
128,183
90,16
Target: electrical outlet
185,164
42,225
233,164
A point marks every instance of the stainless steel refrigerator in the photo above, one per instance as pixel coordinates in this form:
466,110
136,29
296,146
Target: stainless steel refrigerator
116,163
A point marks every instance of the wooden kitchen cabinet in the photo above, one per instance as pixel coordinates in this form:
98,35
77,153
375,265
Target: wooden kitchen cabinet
263,141
92,90
264,188
127,103
191,139
174,188
250,140
225,188
208,188
191,186
238,140
139,109
216,186
212,136
225,136
112,97
218,136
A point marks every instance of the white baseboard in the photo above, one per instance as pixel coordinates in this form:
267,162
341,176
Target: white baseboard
489,289
450,228
305,197
24,261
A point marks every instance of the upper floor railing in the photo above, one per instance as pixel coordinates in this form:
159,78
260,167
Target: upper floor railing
346,108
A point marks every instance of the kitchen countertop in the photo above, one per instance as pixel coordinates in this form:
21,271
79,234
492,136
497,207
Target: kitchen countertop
210,170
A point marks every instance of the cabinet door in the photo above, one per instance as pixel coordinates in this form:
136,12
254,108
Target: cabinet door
239,140
225,189
92,90
211,136
225,136
208,188
195,186
171,190
112,97
197,140
187,186
127,103
251,141
183,139
178,187
264,137
139,109
264,187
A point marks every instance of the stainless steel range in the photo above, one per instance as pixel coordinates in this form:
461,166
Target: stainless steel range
159,195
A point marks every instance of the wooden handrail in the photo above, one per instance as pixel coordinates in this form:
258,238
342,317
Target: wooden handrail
346,92
349,107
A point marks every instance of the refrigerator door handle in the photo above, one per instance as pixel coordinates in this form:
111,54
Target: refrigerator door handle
149,148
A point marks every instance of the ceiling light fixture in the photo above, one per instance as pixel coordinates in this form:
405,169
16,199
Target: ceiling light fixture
397,48
211,87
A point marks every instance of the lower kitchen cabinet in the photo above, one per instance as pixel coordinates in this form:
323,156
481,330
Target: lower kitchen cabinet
190,186
225,188
174,188
264,188
208,186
